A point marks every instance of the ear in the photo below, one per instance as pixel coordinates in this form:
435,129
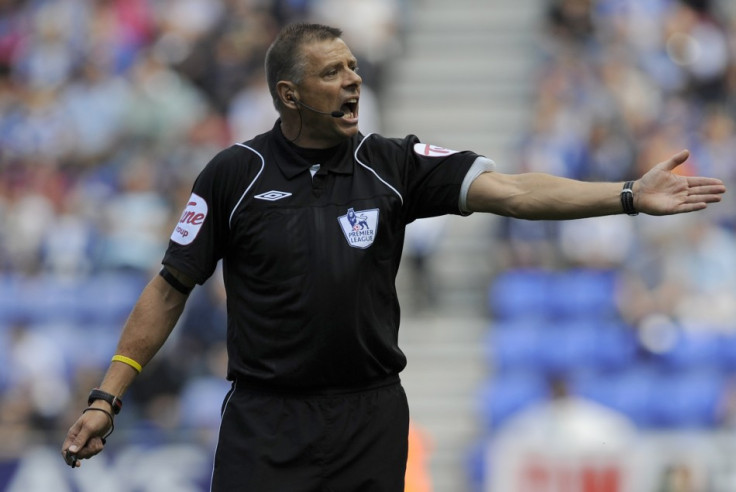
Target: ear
287,94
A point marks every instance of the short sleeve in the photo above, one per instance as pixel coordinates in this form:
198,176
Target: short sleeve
434,177
200,236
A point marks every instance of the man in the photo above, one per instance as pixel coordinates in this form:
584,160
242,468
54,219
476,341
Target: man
309,221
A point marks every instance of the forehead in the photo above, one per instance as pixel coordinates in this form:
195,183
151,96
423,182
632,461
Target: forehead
318,54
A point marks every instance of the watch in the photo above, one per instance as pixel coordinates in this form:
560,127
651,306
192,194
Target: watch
97,394
627,199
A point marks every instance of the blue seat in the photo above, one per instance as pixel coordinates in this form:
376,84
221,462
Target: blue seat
521,293
201,402
506,394
567,347
515,345
694,349
629,391
54,298
20,298
560,347
584,293
617,345
5,347
727,352
476,465
687,399
109,297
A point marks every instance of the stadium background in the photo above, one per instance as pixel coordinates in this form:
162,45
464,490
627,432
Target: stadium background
108,109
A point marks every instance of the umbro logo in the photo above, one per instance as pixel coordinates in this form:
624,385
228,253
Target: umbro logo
272,195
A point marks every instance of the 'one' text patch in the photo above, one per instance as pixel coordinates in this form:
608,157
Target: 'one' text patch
191,220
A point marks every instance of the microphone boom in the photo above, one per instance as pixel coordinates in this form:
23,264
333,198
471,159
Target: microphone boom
334,114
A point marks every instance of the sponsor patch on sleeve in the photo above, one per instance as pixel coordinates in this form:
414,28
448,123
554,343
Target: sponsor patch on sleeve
191,220
432,150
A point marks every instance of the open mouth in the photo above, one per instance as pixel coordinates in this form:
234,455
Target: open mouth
350,108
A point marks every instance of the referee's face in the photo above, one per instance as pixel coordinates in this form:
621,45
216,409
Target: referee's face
330,83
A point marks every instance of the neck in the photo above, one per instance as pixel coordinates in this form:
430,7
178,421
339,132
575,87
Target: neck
296,132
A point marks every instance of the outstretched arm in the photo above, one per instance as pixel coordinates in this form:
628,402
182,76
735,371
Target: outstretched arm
149,325
538,196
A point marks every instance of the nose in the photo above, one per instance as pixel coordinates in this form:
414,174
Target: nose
354,80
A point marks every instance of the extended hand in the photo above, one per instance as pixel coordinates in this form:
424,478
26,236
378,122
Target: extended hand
662,192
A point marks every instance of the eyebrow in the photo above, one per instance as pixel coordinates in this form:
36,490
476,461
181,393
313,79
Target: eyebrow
353,62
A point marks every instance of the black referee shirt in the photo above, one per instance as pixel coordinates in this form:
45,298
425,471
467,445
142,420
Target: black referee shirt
310,262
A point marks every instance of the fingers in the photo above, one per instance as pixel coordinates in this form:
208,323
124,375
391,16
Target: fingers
704,190
698,199
699,185
70,453
78,444
674,161
94,446
71,444
693,181
704,199
75,453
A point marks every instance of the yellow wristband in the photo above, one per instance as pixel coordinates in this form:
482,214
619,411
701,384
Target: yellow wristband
129,361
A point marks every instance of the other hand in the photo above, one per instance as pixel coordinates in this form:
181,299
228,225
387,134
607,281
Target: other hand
85,438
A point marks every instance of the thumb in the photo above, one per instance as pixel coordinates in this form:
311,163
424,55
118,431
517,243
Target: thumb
79,441
674,161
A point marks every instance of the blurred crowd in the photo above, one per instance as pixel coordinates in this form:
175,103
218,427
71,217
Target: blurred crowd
622,85
108,111
634,317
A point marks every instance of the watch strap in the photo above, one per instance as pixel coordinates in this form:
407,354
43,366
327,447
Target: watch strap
97,394
627,199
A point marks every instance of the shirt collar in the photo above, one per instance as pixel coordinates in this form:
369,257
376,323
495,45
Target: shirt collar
294,160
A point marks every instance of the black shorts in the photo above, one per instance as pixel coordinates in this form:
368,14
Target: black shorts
344,442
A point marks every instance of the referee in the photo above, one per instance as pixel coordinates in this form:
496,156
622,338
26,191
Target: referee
308,220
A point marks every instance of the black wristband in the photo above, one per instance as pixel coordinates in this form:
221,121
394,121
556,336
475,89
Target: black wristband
97,394
175,282
627,199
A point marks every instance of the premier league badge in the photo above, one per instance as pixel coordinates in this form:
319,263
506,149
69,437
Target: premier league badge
359,227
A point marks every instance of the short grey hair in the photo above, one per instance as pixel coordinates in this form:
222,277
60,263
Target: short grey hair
284,58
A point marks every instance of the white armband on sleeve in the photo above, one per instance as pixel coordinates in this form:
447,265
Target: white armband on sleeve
480,166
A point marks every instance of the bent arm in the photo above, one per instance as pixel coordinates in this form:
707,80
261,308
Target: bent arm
149,325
